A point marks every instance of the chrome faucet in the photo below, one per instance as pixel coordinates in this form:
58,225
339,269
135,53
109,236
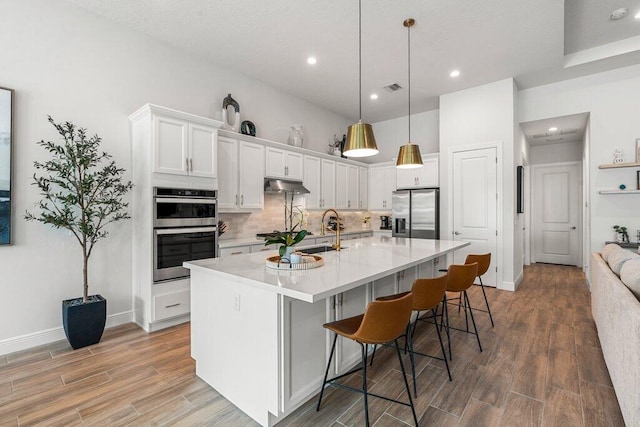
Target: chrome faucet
335,246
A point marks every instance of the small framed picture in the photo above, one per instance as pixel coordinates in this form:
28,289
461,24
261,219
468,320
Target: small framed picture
637,150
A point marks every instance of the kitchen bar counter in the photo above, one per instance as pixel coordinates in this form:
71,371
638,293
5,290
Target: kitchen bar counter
257,335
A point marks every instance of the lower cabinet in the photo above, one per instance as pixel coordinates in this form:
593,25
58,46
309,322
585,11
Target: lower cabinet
236,250
348,304
171,305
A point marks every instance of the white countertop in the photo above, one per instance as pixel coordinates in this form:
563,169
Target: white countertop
361,261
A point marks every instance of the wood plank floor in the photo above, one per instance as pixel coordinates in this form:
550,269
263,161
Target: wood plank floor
541,365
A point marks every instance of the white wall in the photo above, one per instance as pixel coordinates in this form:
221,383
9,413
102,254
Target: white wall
611,98
63,61
481,115
556,153
519,156
391,134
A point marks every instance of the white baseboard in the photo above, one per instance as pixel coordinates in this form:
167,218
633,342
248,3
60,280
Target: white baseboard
508,286
47,336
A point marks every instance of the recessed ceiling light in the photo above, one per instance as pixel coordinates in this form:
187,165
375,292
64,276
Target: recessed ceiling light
455,73
374,96
312,60
553,129
618,14
637,15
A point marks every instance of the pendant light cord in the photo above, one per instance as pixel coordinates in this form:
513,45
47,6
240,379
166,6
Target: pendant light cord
409,67
360,57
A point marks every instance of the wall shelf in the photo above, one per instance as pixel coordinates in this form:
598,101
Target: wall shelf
619,165
619,192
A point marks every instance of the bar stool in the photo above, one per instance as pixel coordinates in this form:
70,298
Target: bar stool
427,295
382,322
483,260
460,278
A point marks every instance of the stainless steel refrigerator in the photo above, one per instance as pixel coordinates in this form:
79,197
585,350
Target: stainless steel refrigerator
416,213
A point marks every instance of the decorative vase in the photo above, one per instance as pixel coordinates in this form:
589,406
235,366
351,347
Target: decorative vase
287,253
296,137
84,322
227,124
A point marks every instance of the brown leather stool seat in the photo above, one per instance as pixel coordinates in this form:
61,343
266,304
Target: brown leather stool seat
427,295
460,278
381,323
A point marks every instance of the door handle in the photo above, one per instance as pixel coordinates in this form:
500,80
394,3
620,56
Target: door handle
456,233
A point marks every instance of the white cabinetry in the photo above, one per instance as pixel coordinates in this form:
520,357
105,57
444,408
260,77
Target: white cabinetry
426,176
283,164
320,180
169,148
347,186
348,304
382,183
241,175
183,148
363,188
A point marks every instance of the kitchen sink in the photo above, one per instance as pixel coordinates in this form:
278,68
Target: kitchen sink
317,249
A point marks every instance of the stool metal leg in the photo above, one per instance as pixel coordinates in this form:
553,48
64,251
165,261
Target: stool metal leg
466,297
444,355
412,356
326,373
406,384
486,301
364,348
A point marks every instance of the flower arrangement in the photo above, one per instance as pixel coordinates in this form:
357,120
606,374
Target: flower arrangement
290,236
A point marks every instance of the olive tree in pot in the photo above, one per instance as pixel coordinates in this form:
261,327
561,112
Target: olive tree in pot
82,191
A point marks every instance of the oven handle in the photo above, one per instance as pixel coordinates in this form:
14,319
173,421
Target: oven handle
183,200
185,230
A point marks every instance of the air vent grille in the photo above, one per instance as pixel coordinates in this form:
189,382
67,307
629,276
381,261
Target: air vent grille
548,134
393,87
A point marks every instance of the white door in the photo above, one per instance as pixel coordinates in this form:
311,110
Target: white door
170,146
311,181
352,187
342,199
251,183
293,163
556,213
228,197
275,163
363,188
328,185
475,203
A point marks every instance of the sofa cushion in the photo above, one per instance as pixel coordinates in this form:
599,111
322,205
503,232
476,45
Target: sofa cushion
606,251
630,276
618,257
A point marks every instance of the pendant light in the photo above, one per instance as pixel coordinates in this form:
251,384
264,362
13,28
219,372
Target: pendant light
360,140
409,156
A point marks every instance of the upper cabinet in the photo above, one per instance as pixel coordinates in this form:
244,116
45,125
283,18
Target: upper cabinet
172,148
320,179
283,164
347,186
241,175
184,148
426,176
382,183
363,188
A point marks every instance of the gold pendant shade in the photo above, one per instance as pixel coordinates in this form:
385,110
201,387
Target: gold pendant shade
360,141
409,157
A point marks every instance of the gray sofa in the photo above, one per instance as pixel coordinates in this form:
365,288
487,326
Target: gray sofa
615,305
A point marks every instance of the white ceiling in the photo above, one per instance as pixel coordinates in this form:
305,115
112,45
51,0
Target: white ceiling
569,129
487,40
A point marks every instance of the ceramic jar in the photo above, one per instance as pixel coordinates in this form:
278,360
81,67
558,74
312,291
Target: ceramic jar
296,136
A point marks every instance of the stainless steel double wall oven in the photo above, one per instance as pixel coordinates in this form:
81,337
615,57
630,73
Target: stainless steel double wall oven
185,228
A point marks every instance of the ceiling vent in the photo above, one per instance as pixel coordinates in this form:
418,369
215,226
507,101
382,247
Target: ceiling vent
554,139
393,87
548,134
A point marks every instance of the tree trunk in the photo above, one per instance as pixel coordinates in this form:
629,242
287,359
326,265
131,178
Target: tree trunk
85,276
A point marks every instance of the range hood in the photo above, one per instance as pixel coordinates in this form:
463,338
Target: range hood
284,186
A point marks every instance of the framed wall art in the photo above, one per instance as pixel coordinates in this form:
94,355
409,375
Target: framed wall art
6,136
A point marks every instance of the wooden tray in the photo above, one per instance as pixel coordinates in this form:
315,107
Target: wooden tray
277,263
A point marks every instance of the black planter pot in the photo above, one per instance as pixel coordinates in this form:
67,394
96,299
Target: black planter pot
84,322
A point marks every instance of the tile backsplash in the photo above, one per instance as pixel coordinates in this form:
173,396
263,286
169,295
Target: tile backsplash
244,225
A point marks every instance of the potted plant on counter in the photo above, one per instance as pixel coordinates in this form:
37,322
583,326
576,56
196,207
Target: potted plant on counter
290,236
82,191
622,234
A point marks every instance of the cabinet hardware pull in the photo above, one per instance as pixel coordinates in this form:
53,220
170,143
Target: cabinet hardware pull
172,305
242,199
186,164
191,165
236,199
340,300
236,253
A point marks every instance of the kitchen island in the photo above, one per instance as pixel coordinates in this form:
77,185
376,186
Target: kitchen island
257,335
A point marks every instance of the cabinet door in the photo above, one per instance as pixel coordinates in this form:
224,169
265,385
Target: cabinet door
170,146
328,186
342,199
311,181
251,183
274,163
237,250
406,278
389,186
376,188
304,355
228,196
428,175
293,163
353,174
384,287
363,188
406,178
348,304
202,150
